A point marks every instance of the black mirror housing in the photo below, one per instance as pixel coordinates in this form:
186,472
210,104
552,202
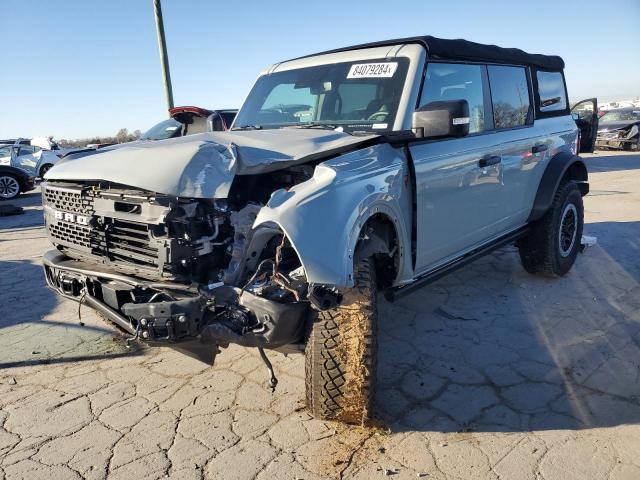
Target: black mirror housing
442,119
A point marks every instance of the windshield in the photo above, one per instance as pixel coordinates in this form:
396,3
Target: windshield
621,116
166,129
353,96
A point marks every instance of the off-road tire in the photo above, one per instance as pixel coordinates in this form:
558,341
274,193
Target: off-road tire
540,250
340,356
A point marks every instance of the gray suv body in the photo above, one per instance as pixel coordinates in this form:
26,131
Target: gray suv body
374,168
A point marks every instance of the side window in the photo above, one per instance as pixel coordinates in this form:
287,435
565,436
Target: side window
551,91
25,150
216,121
450,81
228,118
510,96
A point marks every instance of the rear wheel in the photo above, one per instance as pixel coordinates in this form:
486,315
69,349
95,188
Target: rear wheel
340,357
9,187
554,241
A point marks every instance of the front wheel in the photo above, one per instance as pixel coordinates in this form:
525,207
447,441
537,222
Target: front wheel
340,356
9,187
552,245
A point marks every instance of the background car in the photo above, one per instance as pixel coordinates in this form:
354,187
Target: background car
19,155
188,120
13,182
620,129
185,120
36,155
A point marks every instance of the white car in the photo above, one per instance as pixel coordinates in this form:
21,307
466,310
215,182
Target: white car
36,156
25,157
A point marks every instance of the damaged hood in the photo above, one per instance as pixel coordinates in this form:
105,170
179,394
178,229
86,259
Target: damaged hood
619,125
204,165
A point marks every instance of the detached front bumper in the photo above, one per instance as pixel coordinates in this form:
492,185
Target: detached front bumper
189,318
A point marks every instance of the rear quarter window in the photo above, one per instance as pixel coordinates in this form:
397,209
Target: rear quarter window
553,97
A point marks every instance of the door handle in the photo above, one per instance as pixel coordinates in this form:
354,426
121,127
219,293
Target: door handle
489,160
542,147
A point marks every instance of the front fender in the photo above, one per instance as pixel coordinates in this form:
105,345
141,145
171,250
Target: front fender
323,217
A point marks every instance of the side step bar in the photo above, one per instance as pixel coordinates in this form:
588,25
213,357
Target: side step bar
395,293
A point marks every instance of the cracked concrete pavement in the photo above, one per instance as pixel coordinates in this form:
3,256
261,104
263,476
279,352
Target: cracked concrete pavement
487,374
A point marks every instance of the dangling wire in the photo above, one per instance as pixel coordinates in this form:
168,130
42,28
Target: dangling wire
134,337
84,293
273,381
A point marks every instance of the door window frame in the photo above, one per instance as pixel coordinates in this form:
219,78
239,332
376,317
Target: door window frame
527,74
488,101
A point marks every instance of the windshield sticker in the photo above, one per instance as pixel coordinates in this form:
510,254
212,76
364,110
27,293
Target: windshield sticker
379,126
373,70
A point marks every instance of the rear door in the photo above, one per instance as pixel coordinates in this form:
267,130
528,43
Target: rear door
523,145
585,114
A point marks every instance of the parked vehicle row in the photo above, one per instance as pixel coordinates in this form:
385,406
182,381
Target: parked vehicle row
377,167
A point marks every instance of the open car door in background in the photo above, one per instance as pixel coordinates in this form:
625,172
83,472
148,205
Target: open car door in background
585,114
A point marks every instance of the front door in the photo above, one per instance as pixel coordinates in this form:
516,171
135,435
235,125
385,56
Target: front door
585,114
459,184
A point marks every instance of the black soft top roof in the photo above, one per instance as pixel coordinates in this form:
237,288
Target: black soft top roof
441,48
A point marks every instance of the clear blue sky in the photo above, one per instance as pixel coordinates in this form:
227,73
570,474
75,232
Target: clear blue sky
78,68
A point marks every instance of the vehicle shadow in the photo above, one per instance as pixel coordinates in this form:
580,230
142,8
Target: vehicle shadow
612,161
491,348
31,202
36,326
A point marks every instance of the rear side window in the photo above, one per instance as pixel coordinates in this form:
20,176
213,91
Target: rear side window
510,96
450,81
228,118
26,150
551,90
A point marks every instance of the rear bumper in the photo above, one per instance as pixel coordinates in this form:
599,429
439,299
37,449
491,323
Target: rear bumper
189,318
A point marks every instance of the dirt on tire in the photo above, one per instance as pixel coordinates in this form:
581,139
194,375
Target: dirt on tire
341,353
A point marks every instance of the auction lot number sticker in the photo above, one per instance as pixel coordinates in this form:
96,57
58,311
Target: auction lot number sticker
373,70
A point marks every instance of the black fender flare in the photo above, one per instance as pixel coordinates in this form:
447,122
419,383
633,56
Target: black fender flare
562,165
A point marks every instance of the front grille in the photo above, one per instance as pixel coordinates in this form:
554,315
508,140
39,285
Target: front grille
68,200
69,233
105,238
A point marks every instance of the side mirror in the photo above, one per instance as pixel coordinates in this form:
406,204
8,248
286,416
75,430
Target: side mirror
442,119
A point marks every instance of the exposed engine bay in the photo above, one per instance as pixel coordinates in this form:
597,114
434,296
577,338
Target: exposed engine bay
192,273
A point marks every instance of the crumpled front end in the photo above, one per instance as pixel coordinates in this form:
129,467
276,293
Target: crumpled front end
621,138
244,265
190,273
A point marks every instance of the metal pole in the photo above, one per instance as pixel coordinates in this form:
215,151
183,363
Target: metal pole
164,59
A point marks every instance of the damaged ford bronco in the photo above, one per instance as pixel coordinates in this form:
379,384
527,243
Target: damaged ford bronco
373,168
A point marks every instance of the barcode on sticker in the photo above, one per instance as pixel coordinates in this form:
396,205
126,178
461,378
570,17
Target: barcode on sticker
373,70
